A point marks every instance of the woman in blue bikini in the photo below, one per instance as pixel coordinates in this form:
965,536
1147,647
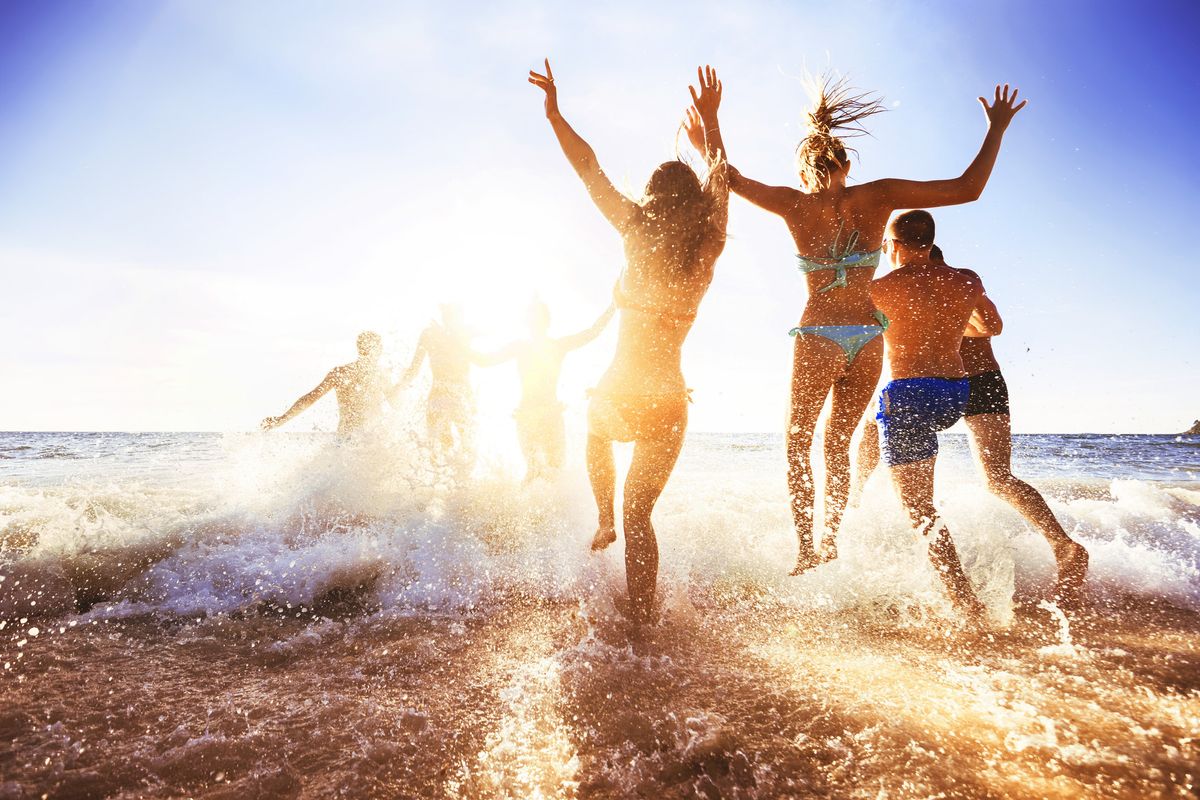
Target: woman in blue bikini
838,230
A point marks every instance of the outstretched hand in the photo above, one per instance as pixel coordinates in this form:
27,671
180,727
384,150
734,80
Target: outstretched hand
546,84
1002,109
694,126
709,99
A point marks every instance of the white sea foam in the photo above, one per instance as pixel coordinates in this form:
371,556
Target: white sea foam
293,521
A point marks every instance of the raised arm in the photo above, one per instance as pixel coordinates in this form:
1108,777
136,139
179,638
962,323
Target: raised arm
304,402
577,340
779,200
704,132
415,366
616,207
897,193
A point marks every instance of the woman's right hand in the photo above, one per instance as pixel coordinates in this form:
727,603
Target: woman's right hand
1002,110
546,84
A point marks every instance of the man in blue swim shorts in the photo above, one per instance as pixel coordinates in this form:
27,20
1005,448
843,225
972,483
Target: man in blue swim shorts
928,306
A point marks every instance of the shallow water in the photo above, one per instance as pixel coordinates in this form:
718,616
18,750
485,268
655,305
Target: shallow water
237,616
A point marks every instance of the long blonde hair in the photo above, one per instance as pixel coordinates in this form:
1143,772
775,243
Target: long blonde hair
837,114
678,212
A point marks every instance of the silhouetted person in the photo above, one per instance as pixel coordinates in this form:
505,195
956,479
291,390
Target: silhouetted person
539,358
450,408
672,238
360,387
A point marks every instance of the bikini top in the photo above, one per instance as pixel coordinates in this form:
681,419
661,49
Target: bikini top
665,316
839,260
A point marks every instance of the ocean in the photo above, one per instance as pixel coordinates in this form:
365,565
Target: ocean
289,615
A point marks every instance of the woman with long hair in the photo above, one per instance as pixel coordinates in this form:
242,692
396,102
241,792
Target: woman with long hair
838,231
672,238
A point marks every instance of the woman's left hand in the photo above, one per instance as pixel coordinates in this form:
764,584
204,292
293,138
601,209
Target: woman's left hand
546,84
694,126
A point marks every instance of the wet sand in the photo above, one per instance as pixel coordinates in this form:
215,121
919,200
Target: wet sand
532,698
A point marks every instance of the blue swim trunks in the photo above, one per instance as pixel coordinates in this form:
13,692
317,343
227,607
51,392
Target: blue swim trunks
912,411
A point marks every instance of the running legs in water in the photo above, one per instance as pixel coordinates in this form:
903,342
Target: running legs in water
915,484
818,367
602,473
991,439
851,394
653,461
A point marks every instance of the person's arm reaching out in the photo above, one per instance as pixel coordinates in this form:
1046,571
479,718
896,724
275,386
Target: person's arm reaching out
897,193
270,423
506,353
616,207
417,359
577,340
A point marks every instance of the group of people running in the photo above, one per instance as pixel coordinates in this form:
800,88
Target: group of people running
935,320
362,387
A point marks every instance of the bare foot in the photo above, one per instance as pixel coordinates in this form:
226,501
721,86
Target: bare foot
828,550
807,559
605,535
1072,561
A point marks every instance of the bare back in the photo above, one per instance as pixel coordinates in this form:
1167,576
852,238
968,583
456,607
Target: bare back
539,363
659,307
829,224
360,389
928,307
449,356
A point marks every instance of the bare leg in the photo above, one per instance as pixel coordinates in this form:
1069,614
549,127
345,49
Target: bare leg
528,439
554,445
915,485
652,464
817,363
991,440
437,426
602,473
867,458
465,426
851,396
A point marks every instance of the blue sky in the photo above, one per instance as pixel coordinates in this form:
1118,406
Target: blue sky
201,203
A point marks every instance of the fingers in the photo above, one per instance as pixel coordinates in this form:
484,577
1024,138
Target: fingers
997,98
1013,98
549,72
692,91
1019,106
983,103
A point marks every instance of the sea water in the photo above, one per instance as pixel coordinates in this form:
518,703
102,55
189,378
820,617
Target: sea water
293,615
